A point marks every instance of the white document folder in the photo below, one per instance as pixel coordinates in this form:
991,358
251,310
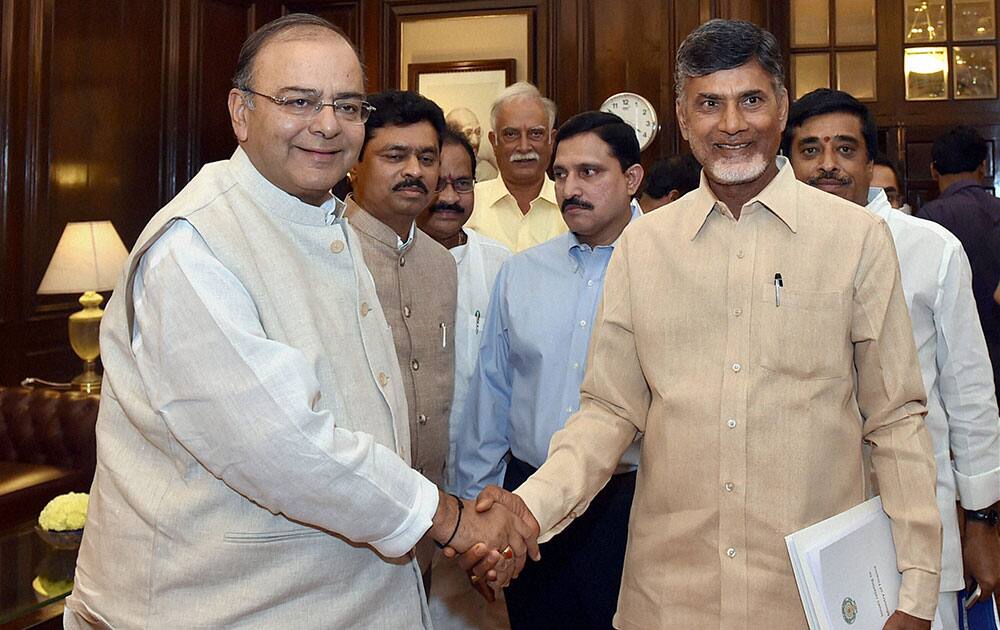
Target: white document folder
845,568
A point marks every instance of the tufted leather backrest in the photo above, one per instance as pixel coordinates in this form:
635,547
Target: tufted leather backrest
39,426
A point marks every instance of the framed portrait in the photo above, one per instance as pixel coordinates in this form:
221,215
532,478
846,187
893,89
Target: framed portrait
469,84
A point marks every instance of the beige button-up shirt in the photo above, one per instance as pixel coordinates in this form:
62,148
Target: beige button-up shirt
754,405
497,215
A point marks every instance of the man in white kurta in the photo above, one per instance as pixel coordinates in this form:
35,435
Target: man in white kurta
253,447
828,144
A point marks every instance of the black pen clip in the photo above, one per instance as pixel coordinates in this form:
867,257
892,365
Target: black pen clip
777,289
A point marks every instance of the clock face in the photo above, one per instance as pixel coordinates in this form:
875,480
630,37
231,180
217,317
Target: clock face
637,112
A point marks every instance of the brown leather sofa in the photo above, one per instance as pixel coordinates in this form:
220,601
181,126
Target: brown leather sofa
47,447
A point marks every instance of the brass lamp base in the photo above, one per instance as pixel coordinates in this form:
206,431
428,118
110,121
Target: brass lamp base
84,336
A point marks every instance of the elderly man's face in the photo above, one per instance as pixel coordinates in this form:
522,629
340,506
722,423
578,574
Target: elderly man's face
733,120
593,192
828,152
452,206
304,156
522,141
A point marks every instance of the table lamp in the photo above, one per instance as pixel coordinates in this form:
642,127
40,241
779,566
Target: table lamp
88,259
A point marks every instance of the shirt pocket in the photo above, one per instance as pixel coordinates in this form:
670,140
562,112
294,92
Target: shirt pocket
805,334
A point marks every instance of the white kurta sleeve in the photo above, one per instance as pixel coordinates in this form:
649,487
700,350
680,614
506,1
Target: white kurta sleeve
241,404
967,385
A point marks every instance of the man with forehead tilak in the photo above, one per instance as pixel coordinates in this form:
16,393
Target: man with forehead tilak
756,335
830,141
253,464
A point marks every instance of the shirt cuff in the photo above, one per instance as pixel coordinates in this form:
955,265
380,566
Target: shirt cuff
980,491
918,593
407,535
550,521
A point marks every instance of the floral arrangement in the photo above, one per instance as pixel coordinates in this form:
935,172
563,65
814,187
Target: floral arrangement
66,512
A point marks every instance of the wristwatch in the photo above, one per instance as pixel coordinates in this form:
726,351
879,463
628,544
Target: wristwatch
991,517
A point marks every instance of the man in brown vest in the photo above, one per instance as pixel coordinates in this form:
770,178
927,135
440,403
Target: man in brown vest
415,277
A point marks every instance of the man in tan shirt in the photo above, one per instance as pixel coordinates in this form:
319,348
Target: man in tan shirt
756,335
415,277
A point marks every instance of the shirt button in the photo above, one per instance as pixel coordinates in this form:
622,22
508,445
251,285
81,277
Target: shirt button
590,283
737,312
729,486
737,367
406,311
421,419
415,365
731,552
402,261
576,366
583,323
731,423
383,379
364,309
337,246
569,410
739,254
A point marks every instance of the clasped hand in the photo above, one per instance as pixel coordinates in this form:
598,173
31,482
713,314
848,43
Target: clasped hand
497,520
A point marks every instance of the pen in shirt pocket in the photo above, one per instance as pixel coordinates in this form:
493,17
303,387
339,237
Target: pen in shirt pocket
477,322
777,289
444,335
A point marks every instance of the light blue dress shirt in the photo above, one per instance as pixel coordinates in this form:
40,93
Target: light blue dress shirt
532,356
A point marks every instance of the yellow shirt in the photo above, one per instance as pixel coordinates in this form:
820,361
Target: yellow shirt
753,424
497,215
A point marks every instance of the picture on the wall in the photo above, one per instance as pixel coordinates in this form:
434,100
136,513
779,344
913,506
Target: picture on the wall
467,88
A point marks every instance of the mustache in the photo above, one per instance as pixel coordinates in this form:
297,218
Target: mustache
447,207
824,175
410,182
526,156
576,201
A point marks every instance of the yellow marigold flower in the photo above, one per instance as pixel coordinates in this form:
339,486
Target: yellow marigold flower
65,512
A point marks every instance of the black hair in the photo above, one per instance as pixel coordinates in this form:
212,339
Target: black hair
726,44
398,107
882,159
827,101
452,135
610,128
677,172
262,36
960,150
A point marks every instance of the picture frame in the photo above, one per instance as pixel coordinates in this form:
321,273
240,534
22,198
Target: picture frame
473,85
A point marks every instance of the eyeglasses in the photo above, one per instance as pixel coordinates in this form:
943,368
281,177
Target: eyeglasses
462,185
353,110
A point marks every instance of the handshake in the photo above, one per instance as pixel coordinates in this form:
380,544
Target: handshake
491,537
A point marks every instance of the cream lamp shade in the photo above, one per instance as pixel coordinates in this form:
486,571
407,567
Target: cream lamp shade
89,257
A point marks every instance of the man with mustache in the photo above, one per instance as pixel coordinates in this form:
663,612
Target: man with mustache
415,277
453,604
830,141
519,208
531,361
755,335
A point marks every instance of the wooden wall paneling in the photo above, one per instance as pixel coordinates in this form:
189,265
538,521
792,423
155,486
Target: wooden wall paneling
346,15
81,88
569,58
218,30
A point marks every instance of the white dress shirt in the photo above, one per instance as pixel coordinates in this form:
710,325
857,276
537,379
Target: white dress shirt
391,496
478,262
961,404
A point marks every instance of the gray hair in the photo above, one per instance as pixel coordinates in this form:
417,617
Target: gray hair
272,30
517,91
726,44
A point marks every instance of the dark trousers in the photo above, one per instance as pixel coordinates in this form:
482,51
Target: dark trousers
577,581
